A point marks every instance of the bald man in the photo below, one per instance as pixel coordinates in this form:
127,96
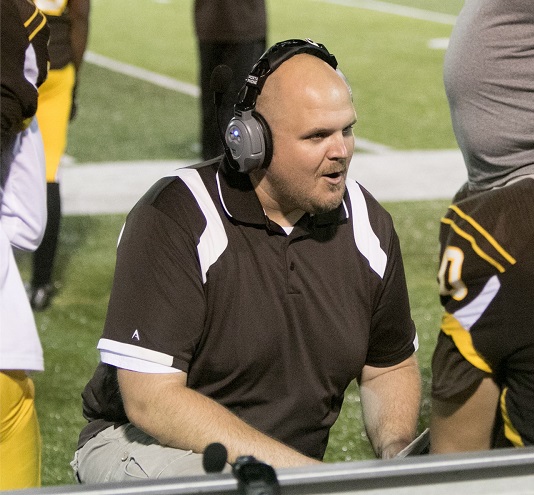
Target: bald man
246,299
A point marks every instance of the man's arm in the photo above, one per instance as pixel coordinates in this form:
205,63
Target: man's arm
23,70
164,407
390,402
467,426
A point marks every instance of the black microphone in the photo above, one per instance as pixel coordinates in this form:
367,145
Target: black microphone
221,77
220,81
214,458
255,477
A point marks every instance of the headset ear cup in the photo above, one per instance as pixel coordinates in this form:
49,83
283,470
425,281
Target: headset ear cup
245,137
267,138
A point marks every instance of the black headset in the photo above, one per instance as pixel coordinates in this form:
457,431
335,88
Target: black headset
248,135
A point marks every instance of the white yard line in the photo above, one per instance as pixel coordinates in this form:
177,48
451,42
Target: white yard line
391,8
142,74
371,147
438,43
185,88
99,188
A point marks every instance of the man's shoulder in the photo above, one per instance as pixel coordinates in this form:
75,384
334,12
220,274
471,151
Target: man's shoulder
490,221
514,201
364,201
176,194
355,186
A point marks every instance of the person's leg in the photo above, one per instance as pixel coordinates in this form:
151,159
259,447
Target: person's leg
210,142
126,454
20,439
53,113
240,57
43,258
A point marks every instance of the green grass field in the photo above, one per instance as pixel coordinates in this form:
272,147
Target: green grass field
397,82
396,78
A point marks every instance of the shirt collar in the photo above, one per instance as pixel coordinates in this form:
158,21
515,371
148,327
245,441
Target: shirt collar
240,201
237,195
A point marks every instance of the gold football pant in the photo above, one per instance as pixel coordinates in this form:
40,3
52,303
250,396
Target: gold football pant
53,113
20,439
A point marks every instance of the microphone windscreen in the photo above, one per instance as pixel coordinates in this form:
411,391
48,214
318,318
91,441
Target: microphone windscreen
215,457
221,77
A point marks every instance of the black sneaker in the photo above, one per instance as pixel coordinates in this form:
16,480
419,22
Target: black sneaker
41,296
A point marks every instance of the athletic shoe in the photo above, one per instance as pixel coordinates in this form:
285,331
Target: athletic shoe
41,296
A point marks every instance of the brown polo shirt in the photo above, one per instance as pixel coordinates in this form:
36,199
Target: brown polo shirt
272,326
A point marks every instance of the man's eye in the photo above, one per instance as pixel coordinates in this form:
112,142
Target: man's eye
348,130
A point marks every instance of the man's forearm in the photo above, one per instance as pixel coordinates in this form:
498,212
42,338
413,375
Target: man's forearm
180,417
390,403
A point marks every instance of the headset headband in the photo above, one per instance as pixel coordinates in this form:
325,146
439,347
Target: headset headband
248,139
271,60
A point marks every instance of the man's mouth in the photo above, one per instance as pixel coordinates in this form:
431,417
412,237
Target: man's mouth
333,175
334,178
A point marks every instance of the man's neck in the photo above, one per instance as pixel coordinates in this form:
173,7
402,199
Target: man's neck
283,219
272,208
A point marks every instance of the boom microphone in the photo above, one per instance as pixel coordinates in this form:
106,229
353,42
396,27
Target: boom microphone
214,458
221,77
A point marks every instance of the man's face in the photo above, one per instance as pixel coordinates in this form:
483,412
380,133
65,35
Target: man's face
313,144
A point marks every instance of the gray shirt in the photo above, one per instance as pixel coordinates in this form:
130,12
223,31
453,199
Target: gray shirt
489,79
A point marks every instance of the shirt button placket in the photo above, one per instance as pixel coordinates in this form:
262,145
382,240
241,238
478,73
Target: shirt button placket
291,270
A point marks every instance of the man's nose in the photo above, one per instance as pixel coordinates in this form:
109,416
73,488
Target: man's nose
338,146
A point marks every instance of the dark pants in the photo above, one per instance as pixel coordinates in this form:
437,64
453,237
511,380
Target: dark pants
240,57
44,256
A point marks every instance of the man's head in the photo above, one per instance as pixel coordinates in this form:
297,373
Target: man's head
308,107
248,136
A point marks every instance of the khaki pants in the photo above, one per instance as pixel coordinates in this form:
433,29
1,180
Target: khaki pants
126,453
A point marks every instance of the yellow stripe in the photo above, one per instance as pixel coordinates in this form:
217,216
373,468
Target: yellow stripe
30,20
38,28
474,244
509,431
26,123
508,257
463,341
